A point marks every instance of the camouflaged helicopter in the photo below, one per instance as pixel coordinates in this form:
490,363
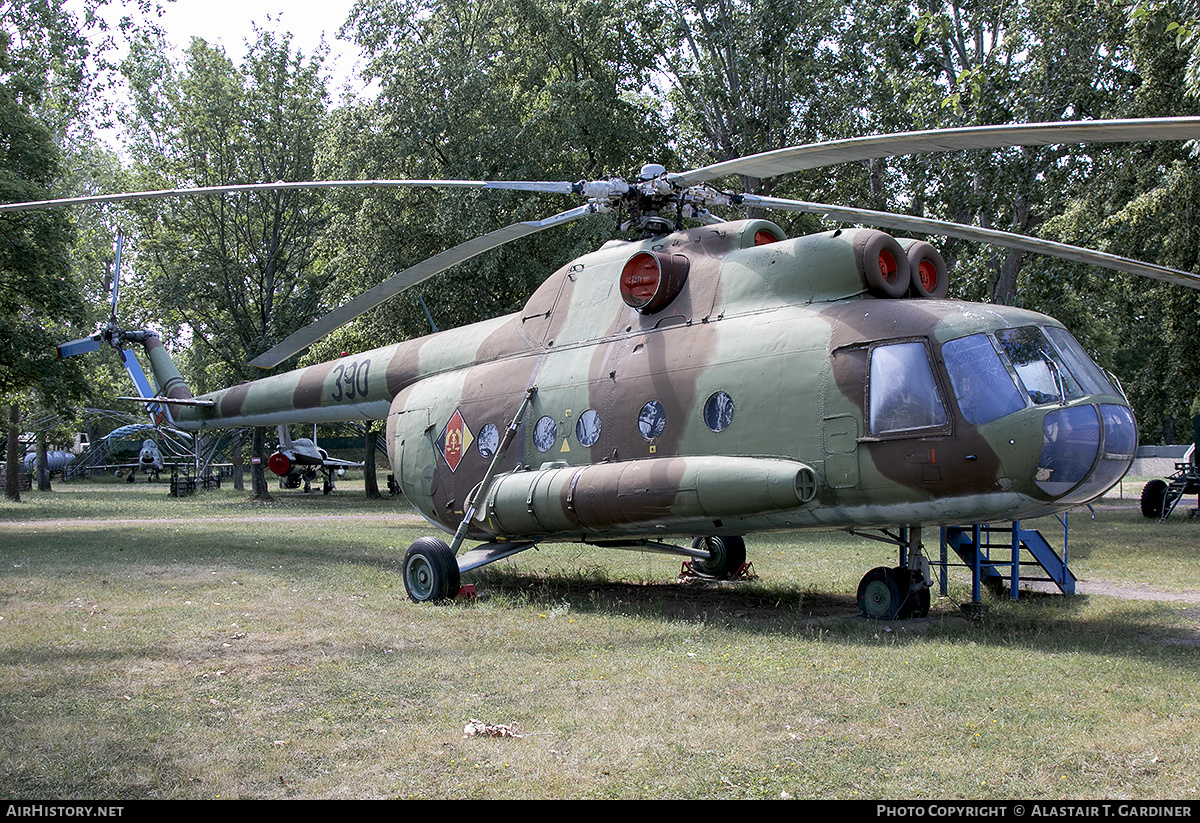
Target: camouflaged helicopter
702,384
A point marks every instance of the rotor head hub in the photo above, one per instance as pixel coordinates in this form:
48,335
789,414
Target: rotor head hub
652,170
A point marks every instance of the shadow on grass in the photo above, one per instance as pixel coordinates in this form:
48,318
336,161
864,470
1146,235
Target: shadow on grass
1042,622
307,549
748,603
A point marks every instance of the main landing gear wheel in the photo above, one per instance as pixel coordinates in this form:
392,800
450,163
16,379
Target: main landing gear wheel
879,594
893,594
728,556
1154,498
430,571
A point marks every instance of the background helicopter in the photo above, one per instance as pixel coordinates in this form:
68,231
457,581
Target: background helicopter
150,459
112,335
717,381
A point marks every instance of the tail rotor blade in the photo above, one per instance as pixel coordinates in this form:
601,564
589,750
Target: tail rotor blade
116,273
139,379
81,346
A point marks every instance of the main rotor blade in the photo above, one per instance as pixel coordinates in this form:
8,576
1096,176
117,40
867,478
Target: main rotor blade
162,194
299,340
925,225
116,274
833,152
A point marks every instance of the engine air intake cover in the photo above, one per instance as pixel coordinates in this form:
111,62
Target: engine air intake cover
650,280
929,275
883,263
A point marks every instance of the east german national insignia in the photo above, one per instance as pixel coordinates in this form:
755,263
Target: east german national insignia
454,440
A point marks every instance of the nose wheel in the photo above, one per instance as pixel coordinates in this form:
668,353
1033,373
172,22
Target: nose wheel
430,571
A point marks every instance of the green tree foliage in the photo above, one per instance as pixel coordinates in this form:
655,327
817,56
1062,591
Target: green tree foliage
1180,21
37,298
237,273
953,64
746,76
545,90
232,275
1140,201
44,64
51,58
54,64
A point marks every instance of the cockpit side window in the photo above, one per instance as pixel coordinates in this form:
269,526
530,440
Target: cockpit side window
1042,375
982,386
904,395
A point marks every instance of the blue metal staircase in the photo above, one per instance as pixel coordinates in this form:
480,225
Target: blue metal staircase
997,554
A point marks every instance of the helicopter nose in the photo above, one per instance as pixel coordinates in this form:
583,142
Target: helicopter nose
1086,448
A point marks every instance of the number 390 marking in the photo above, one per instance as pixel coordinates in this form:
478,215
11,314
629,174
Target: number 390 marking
350,380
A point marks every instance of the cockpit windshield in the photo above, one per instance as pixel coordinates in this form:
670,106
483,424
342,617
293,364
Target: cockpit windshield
1086,446
904,393
996,375
991,376
982,385
1090,376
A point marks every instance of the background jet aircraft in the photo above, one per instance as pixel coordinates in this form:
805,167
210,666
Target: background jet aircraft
301,460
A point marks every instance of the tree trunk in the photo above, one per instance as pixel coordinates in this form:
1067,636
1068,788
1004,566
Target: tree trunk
1004,291
370,481
43,464
258,465
238,459
12,473
753,185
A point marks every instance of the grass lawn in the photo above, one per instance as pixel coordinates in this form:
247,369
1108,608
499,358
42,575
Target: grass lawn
206,647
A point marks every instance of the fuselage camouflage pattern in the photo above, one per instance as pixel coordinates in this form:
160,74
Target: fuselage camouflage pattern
770,391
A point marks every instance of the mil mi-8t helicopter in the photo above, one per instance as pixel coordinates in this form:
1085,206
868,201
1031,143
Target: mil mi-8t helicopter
711,382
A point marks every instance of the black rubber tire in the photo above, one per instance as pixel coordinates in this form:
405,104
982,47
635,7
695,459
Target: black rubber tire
879,596
430,571
924,599
729,554
1154,497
